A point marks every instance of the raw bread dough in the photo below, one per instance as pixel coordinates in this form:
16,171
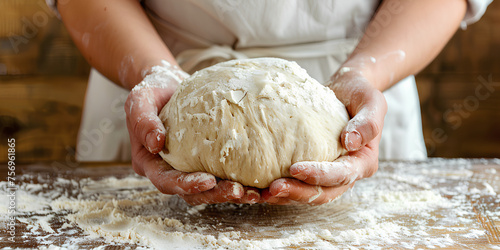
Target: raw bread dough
250,120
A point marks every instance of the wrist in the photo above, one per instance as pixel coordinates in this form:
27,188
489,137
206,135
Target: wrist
162,75
132,71
351,81
147,66
357,67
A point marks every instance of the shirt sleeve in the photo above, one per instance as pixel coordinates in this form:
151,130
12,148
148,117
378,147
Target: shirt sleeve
475,10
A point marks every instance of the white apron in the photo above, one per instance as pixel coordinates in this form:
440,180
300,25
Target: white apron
318,35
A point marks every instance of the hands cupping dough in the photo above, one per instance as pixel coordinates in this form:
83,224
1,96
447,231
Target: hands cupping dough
249,120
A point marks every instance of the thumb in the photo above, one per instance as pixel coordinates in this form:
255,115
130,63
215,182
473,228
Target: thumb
366,124
142,117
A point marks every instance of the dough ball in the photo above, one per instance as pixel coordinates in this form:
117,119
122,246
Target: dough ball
250,120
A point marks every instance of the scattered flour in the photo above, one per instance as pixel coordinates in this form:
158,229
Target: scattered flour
402,206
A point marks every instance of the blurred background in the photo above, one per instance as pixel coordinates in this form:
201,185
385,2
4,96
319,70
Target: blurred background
43,79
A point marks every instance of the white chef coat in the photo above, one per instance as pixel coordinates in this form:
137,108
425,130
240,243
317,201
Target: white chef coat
318,35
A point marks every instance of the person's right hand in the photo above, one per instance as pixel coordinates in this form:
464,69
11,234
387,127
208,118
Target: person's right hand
147,133
147,139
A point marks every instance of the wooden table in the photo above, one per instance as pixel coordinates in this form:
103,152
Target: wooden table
464,211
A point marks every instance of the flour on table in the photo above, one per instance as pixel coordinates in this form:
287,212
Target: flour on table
399,207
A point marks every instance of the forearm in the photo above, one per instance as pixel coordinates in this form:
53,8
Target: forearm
403,37
116,37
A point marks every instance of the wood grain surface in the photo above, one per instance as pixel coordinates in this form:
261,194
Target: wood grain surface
469,219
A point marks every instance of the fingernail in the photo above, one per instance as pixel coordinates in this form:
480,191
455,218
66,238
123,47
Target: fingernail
282,194
253,196
237,191
353,141
151,141
204,186
296,168
299,175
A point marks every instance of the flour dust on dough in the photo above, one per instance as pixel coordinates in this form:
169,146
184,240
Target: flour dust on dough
249,120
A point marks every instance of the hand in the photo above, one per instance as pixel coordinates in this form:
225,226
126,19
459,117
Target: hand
321,182
147,133
225,191
147,138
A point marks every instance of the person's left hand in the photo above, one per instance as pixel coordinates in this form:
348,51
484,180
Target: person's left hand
321,182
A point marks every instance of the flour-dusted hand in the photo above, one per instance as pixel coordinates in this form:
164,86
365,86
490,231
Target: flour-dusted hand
403,47
147,133
225,191
322,182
